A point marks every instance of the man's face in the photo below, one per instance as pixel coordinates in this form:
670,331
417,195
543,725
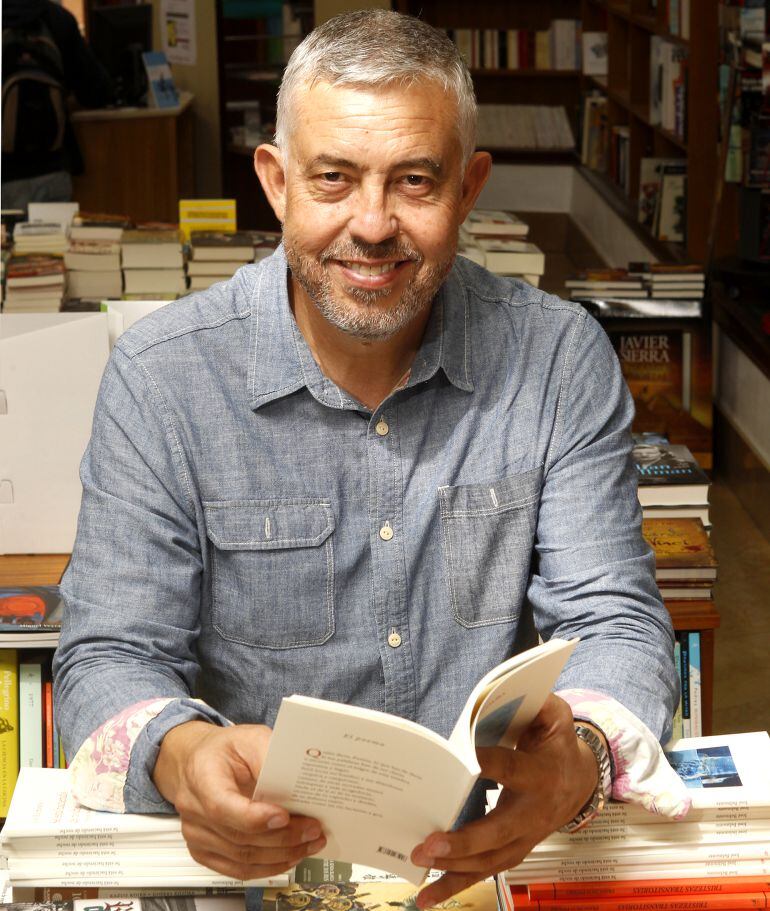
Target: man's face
373,199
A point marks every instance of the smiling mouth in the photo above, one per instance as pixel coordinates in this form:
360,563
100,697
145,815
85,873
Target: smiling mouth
367,269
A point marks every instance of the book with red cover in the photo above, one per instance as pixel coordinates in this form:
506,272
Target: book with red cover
29,269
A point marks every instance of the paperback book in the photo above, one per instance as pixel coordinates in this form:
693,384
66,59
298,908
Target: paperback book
380,784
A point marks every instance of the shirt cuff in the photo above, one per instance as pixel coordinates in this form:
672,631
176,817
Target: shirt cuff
113,768
641,773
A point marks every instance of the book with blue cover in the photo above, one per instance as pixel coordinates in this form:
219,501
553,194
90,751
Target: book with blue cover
161,91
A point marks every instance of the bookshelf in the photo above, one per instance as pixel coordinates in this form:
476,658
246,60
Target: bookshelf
632,26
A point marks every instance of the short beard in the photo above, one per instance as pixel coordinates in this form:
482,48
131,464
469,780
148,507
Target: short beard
368,322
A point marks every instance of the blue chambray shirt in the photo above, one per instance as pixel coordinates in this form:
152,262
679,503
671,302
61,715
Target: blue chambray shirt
248,530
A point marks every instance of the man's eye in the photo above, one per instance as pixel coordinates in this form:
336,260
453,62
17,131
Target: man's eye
416,180
332,177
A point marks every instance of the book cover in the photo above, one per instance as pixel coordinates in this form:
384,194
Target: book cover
594,53
495,222
684,676
672,214
371,896
642,888
29,269
667,463
9,726
30,712
505,256
30,608
679,544
696,699
161,92
654,362
207,215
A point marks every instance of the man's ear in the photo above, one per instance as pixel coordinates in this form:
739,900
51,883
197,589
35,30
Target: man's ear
268,163
476,175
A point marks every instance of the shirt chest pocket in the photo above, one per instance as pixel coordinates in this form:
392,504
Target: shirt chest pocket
489,533
272,571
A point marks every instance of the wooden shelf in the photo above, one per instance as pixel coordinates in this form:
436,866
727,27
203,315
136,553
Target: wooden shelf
626,208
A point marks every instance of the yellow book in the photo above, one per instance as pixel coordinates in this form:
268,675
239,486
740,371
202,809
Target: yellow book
206,215
9,726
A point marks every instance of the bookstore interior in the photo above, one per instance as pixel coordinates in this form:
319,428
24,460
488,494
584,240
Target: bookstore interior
630,144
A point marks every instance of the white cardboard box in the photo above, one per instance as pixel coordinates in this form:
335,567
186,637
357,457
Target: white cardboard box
51,365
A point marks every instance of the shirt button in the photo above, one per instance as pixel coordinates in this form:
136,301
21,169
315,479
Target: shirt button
394,640
386,532
382,427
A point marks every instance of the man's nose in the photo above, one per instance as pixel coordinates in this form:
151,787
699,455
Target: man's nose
373,219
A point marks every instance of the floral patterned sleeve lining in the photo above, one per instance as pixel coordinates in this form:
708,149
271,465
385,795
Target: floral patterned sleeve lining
100,767
640,772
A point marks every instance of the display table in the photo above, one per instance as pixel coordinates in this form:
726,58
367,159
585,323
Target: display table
137,161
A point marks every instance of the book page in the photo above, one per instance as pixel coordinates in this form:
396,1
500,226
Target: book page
506,700
377,784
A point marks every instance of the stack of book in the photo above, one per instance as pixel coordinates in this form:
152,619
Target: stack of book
34,283
93,269
39,237
605,284
672,485
216,255
98,226
718,856
643,289
685,570
682,281
497,240
524,126
51,840
153,262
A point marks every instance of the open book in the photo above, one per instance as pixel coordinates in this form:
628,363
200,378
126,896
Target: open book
380,784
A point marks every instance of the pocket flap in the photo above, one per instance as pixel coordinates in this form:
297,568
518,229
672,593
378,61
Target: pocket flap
512,492
268,524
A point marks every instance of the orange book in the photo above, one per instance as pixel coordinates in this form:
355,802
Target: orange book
699,901
682,549
636,888
48,723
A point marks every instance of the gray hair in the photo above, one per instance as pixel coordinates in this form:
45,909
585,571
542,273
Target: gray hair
374,48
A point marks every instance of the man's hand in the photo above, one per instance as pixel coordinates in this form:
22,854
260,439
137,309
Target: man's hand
546,780
209,773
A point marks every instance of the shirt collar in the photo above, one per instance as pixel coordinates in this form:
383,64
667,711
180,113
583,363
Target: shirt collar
280,361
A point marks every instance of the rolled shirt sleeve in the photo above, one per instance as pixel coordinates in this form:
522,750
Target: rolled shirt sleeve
132,589
593,571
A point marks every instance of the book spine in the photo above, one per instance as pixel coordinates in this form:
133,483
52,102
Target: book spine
684,675
9,726
30,715
694,902
696,721
605,869
676,725
642,889
48,722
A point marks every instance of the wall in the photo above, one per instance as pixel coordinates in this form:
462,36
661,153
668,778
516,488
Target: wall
743,396
203,81
561,188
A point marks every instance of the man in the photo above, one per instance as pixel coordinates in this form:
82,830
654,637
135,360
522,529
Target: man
356,471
